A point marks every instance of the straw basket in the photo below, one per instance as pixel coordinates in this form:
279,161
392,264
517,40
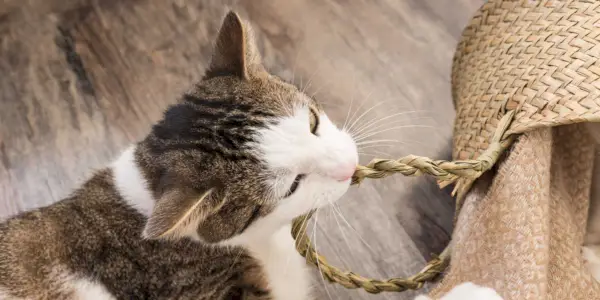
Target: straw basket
520,65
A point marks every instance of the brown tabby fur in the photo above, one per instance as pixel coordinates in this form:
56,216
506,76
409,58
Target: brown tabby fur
94,233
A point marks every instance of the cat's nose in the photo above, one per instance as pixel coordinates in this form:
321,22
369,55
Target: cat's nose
344,172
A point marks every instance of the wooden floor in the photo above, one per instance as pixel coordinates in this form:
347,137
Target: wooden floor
81,79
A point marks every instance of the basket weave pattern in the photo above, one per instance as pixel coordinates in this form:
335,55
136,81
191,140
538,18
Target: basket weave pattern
537,58
520,65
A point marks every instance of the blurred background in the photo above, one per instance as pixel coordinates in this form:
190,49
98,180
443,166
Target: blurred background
81,79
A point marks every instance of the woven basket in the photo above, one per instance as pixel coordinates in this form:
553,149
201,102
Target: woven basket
520,65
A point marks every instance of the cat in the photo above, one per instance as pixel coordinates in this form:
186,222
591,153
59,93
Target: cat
201,207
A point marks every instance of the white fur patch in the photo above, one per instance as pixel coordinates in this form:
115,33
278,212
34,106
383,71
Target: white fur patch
130,183
285,269
87,290
468,291
290,147
80,287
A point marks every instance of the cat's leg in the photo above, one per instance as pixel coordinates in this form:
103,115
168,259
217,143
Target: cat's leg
287,273
468,291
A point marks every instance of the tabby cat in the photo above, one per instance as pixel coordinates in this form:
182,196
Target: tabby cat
198,209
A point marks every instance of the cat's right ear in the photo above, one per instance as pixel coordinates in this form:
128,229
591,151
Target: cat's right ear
178,213
235,51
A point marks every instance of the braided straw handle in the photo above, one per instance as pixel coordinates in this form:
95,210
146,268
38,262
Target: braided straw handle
463,172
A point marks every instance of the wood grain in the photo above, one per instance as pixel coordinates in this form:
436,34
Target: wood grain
81,79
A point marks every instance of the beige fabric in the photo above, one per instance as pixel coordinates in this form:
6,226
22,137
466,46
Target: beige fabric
520,231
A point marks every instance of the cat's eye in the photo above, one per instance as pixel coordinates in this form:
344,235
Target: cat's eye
314,121
294,185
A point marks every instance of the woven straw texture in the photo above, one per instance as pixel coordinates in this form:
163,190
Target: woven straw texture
521,65
538,58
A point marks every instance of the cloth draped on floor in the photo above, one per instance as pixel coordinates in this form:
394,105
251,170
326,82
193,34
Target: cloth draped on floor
521,228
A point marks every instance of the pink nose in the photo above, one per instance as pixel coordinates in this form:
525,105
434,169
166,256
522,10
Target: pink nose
344,172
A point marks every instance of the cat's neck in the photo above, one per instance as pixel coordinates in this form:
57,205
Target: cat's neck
131,184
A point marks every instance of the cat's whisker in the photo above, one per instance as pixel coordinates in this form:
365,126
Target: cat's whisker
379,129
365,112
285,107
320,88
348,114
332,209
383,154
339,212
314,204
392,128
349,128
310,78
390,143
294,68
381,145
378,141
376,120
383,123
317,250
376,153
323,84
370,147
378,123
329,217
404,142
369,154
302,226
353,133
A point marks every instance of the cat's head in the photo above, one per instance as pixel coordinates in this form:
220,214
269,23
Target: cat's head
243,152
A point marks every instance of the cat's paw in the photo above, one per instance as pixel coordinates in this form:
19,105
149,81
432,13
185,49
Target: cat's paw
591,259
468,291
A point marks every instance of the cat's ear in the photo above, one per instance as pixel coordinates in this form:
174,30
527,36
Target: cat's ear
178,213
235,51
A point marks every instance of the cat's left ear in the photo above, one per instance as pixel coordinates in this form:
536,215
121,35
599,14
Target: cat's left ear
178,212
235,51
